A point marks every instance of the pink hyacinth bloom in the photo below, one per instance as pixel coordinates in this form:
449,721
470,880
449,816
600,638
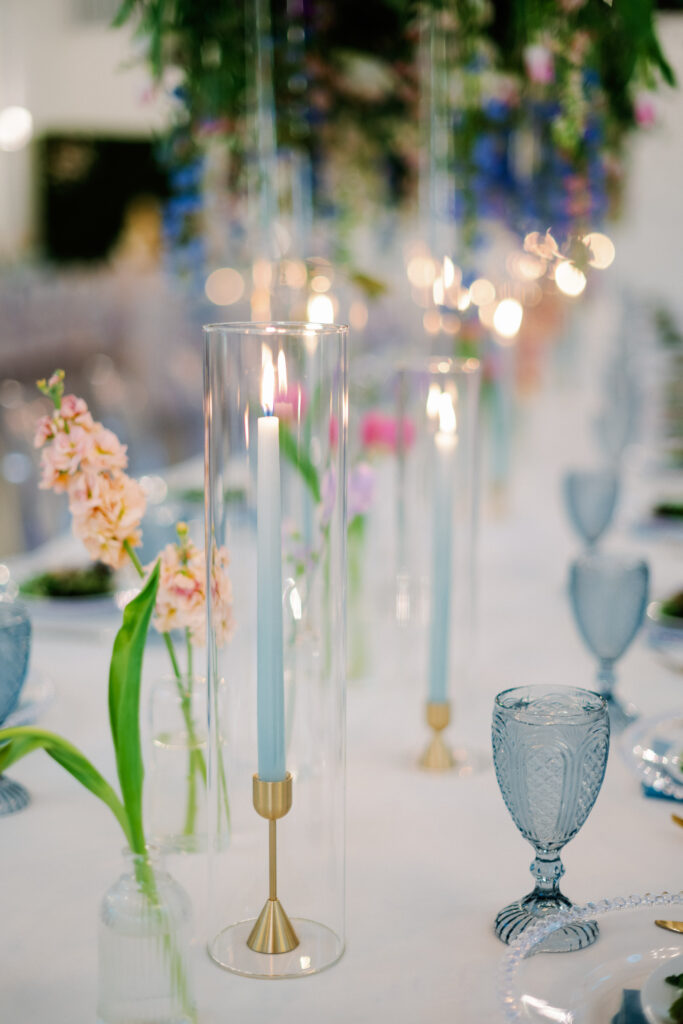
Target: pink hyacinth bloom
539,64
107,511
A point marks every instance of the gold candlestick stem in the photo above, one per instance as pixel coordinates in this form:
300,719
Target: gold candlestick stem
437,757
273,932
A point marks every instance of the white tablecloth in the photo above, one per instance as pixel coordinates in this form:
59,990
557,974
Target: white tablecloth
430,860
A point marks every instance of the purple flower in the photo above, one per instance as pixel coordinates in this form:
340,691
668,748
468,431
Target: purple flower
361,489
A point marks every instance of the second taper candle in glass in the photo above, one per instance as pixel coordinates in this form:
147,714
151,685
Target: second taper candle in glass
271,689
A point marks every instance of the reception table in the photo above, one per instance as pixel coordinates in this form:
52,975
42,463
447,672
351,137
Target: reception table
430,859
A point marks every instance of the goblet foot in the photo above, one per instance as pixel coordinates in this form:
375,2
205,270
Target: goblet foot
621,713
13,796
522,914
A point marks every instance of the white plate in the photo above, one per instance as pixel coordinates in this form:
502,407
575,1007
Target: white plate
588,986
653,750
656,996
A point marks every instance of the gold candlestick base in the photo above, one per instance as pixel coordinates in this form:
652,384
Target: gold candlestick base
437,757
273,932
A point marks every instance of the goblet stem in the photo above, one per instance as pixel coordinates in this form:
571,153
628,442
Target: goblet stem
547,869
606,678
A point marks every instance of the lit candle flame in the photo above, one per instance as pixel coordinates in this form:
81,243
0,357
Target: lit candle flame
433,400
281,373
447,420
268,388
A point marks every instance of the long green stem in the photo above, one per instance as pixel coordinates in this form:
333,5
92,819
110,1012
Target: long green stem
144,872
195,754
197,763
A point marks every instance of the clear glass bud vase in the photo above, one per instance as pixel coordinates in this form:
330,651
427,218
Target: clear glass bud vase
144,946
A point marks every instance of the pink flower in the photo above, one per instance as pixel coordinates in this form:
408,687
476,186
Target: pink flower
45,430
380,431
221,595
181,597
645,110
64,458
108,453
107,510
539,64
73,409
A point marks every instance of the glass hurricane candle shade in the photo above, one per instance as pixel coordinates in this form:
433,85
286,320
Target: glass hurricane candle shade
276,406
436,517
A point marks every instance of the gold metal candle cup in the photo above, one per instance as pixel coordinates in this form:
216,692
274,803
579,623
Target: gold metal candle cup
437,757
273,932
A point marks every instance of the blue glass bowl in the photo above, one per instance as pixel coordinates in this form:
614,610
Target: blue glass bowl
15,648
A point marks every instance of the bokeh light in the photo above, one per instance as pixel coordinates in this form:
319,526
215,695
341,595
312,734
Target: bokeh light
16,128
507,318
224,286
569,279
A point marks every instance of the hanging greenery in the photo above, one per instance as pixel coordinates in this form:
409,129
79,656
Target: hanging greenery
543,92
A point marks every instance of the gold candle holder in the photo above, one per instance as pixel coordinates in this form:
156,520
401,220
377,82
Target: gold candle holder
437,757
273,932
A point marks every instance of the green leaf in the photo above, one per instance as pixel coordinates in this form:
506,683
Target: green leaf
123,14
290,450
24,739
124,703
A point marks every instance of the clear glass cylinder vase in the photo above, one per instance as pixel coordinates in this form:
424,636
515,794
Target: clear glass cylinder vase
145,928
437,491
276,406
177,778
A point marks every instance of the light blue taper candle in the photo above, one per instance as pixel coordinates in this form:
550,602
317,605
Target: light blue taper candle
271,688
445,443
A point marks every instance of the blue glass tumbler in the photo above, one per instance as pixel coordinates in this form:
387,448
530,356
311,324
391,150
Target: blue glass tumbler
609,595
550,746
590,497
15,648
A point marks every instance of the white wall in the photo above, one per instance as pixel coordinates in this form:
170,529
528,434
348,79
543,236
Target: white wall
71,77
649,237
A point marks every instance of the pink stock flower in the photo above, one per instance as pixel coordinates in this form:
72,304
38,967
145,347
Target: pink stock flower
64,458
380,431
73,409
107,510
539,64
108,452
181,597
45,430
645,110
221,595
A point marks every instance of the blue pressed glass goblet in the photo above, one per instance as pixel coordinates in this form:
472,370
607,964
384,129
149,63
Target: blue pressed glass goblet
550,748
15,647
609,596
590,496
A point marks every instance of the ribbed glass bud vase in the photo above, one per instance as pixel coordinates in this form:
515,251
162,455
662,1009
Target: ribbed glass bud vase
144,946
